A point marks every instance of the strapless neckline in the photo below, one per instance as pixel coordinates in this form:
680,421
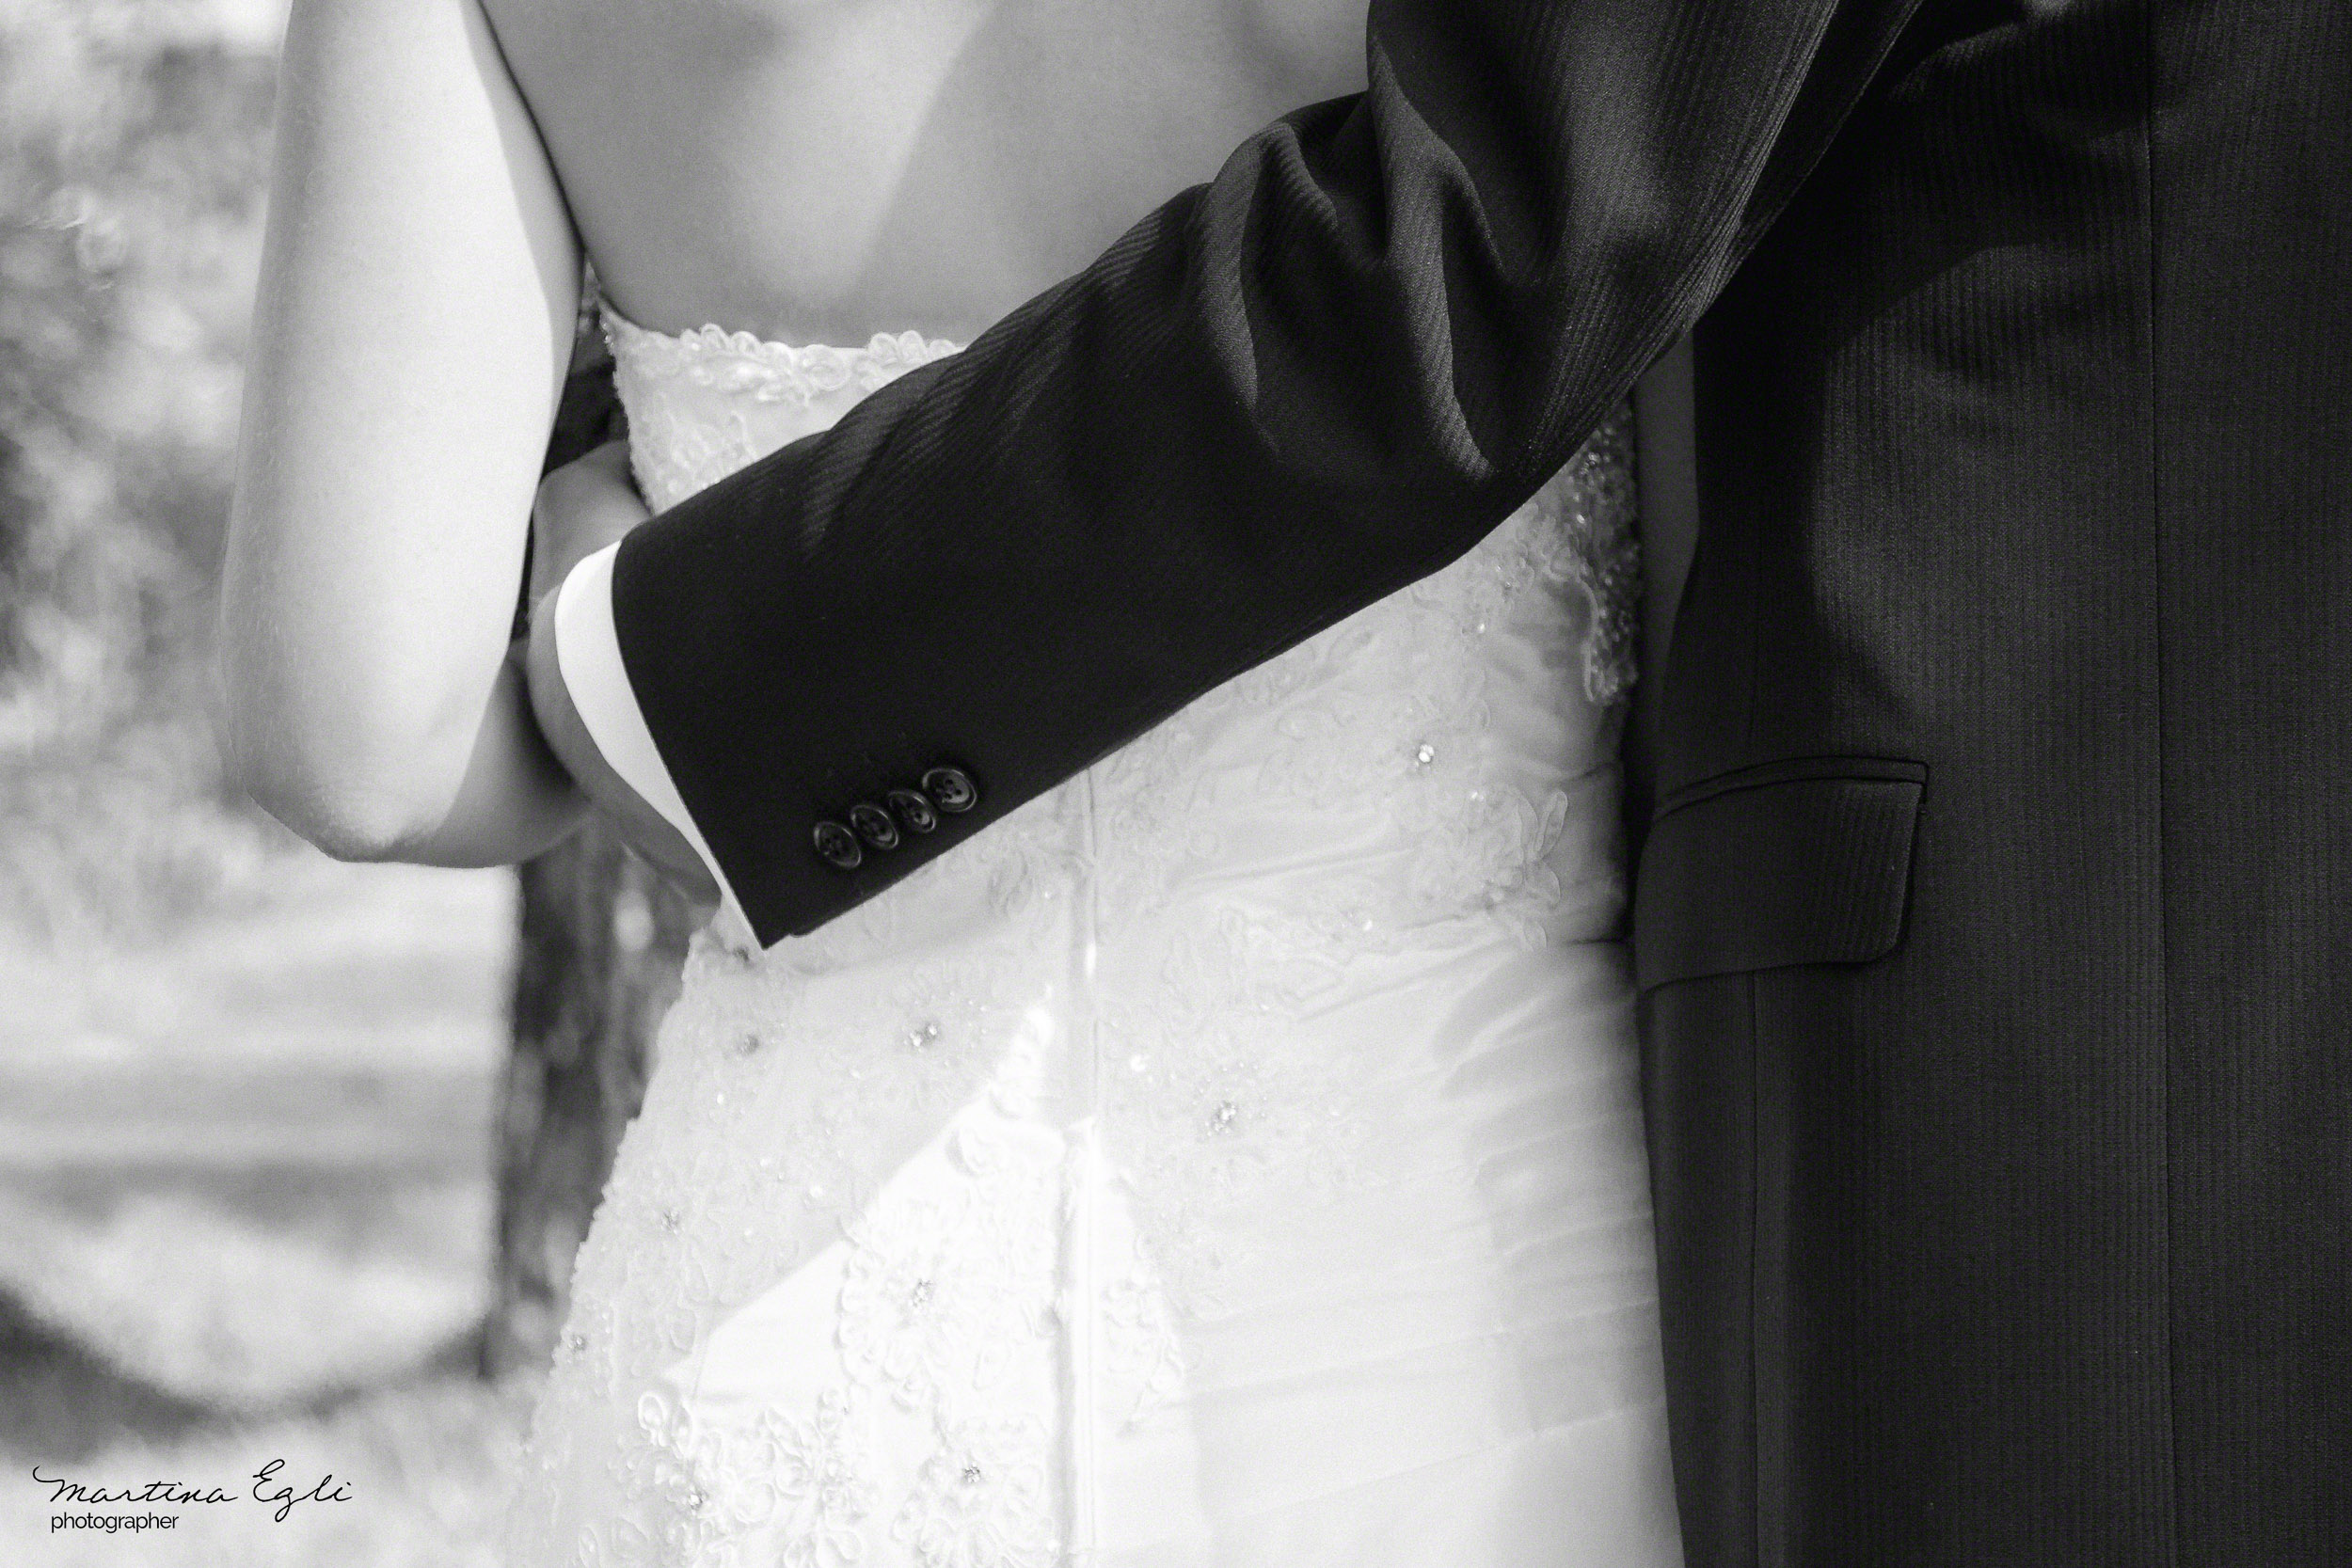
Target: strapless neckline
797,373
701,403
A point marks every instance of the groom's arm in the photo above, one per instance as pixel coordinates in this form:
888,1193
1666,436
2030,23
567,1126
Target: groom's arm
1280,397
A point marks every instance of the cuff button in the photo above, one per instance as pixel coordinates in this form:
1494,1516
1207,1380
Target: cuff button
837,847
914,810
951,789
874,825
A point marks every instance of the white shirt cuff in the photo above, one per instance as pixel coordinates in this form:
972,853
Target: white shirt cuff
588,655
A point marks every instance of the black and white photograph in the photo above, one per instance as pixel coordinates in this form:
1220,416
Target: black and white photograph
1176,784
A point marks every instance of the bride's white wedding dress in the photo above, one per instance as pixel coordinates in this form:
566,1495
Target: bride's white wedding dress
1233,1156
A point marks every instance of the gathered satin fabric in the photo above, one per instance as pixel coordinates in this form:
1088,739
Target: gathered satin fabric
1231,1157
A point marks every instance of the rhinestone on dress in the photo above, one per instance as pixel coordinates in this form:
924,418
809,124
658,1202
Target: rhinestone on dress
971,1474
1222,1118
923,1035
576,1339
1425,755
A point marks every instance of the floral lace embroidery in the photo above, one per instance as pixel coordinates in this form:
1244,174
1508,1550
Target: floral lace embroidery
764,370
1145,1360
942,1291
704,403
1593,497
984,1498
812,1475
1215,1108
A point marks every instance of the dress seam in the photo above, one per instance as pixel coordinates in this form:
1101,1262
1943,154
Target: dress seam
1082,1327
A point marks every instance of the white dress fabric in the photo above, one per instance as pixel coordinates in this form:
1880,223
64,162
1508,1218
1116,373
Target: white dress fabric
1232,1157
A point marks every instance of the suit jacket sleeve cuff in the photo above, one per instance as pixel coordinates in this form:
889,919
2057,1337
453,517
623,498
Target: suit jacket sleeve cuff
588,655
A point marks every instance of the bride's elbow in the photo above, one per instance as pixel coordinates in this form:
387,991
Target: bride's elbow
348,816
352,787
346,827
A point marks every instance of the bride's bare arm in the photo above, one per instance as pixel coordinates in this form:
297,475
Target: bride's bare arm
418,285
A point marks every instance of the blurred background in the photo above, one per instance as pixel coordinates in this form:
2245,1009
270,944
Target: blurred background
294,1154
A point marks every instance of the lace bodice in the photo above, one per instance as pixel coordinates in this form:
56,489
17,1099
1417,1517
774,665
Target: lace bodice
1036,1118
704,403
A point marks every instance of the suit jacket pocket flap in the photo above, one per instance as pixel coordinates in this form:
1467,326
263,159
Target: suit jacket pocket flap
1791,863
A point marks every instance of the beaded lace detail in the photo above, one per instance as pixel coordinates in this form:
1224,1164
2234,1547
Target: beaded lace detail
767,371
1105,1002
704,402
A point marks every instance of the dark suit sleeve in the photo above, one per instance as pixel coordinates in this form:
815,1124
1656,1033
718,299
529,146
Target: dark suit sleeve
1280,397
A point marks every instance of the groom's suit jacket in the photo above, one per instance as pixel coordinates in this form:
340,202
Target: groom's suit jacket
1994,908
